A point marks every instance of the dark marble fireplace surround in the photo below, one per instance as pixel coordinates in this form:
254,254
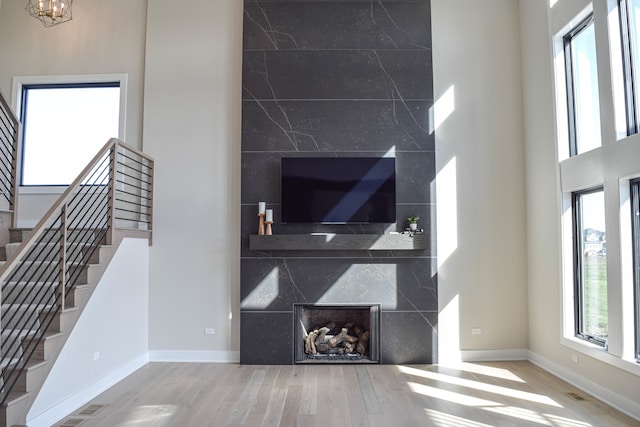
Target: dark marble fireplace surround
338,78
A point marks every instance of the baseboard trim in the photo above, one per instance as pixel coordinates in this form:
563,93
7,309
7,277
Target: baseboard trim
82,397
494,355
194,356
609,397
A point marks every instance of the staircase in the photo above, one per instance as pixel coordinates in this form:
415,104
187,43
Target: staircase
48,273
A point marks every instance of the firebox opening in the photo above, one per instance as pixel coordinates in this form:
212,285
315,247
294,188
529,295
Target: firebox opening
337,333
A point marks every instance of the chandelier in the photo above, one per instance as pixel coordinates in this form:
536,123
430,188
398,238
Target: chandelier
50,12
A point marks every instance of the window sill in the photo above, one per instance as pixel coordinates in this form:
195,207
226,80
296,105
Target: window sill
599,353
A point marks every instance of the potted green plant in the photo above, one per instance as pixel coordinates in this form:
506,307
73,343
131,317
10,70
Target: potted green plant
413,222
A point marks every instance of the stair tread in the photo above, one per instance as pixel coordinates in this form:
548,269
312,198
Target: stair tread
13,305
48,335
31,365
14,397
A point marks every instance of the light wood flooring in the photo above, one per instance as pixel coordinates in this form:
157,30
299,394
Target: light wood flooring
501,394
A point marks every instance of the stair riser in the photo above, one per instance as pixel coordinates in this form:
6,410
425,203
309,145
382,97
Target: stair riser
44,347
52,252
18,292
21,318
61,321
78,297
76,236
26,379
11,346
45,271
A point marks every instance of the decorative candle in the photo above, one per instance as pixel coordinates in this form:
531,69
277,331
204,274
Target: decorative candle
261,207
269,215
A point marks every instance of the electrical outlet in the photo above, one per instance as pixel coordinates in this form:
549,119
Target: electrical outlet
476,331
574,357
209,331
96,355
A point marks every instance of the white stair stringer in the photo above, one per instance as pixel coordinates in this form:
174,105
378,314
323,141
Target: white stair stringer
31,377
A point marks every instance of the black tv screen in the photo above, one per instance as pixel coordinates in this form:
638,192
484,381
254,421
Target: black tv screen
338,190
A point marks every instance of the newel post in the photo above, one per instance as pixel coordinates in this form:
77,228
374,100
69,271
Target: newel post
113,164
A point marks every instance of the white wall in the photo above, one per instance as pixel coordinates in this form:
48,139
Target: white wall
548,348
192,128
121,339
482,276
102,38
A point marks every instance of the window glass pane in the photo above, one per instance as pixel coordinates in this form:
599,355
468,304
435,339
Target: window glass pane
64,127
620,70
634,38
586,104
592,309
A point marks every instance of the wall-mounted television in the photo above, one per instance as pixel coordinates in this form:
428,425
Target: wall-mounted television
338,190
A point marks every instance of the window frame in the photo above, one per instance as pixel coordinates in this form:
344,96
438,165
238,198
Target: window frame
61,81
629,83
569,80
578,255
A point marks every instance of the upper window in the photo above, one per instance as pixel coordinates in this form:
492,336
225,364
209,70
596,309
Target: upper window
582,88
590,261
64,126
629,13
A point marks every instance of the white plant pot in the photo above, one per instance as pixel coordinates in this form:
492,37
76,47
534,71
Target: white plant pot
413,227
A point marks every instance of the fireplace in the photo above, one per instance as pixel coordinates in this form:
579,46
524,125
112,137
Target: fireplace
336,333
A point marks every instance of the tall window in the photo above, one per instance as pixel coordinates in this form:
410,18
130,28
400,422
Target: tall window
629,11
582,88
64,126
590,261
635,211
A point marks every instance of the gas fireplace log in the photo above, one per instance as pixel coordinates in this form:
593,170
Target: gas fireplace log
322,348
338,338
322,332
363,342
348,347
310,345
342,336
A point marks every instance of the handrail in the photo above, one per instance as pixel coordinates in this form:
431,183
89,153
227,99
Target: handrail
9,138
115,190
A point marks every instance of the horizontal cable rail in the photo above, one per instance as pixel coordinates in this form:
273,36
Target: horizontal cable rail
9,137
113,191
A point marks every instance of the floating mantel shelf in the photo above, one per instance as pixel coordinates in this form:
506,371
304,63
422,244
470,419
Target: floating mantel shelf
328,241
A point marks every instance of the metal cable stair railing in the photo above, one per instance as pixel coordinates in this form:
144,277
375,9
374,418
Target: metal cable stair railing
9,137
114,191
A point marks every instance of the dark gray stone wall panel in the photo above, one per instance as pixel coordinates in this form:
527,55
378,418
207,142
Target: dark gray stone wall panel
260,176
259,331
415,177
347,25
408,337
268,285
357,74
336,126
275,284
